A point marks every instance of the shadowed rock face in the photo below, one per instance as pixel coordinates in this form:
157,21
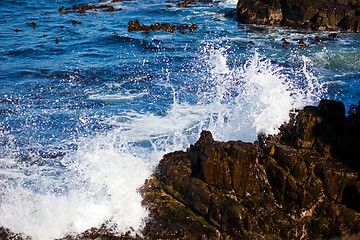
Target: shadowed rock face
301,184
317,15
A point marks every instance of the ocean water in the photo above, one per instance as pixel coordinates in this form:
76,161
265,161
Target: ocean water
85,119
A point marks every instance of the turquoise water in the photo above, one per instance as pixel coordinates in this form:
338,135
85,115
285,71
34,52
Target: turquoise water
84,119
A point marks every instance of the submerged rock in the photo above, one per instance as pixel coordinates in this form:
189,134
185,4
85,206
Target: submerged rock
301,43
317,15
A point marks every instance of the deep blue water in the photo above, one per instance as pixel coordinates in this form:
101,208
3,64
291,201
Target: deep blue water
84,120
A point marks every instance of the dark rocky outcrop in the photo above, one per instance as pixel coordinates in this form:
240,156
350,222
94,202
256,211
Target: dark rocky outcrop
300,184
317,15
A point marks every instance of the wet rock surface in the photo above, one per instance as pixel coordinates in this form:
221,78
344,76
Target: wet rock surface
317,15
300,184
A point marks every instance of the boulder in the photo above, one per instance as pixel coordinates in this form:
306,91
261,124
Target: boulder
317,15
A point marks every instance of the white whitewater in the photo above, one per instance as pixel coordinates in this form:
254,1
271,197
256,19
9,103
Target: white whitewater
98,182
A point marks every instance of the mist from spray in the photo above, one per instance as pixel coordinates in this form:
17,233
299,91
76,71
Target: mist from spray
98,182
255,97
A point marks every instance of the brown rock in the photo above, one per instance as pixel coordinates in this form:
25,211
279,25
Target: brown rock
232,216
319,15
198,196
259,12
336,178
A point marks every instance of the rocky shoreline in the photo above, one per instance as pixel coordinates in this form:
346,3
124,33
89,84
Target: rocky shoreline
317,15
300,184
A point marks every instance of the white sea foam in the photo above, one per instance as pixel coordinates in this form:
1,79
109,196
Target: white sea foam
98,183
230,3
116,97
253,98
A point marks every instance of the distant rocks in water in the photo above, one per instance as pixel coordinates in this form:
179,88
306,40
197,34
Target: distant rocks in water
17,30
230,14
333,35
135,26
300,184
85,7
315,40
316,15
76,22
187,3
330,37
301,43
285,43
320,39
33,24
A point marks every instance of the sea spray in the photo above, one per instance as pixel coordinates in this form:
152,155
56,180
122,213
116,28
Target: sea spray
97,182
254,98
314,89
98,185
83,121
